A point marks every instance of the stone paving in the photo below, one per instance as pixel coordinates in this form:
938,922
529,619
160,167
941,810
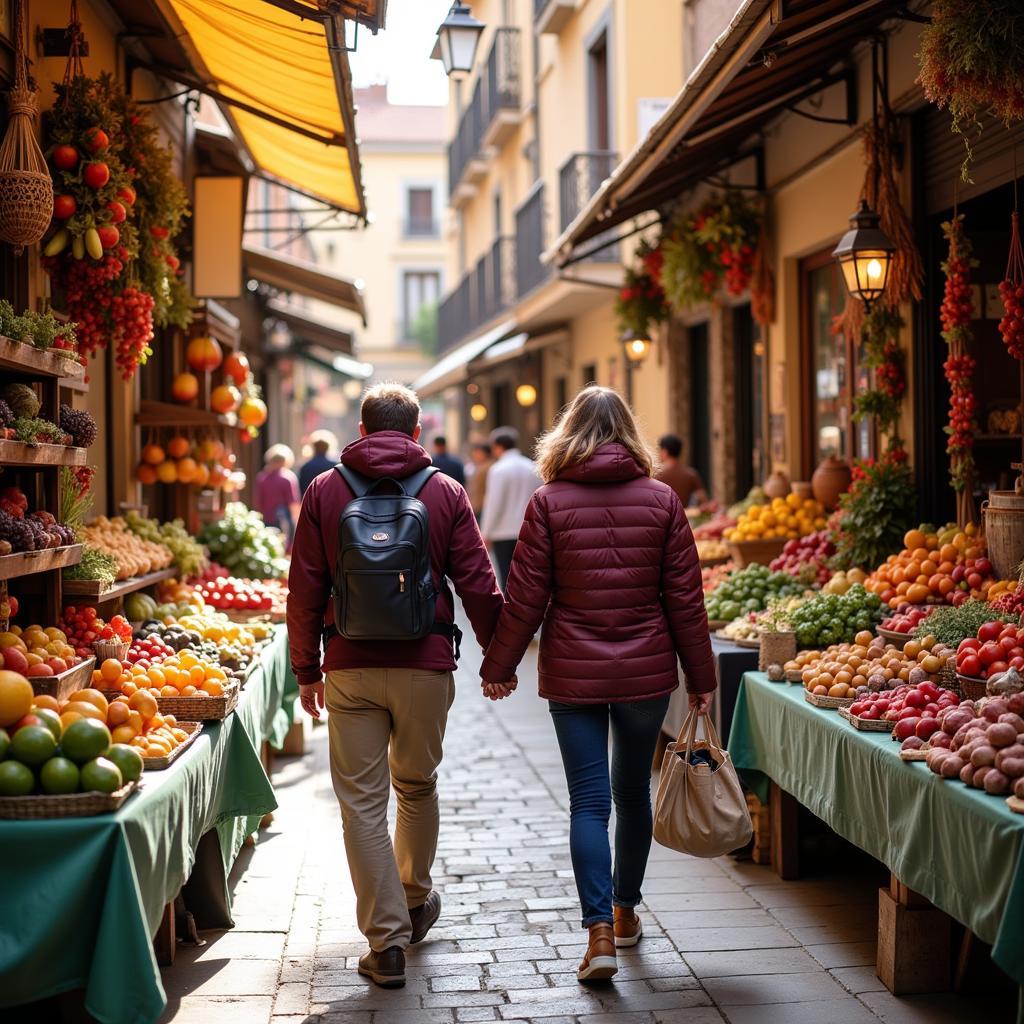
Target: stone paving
725,941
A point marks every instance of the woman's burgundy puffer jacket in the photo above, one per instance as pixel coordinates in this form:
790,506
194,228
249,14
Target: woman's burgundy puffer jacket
607,561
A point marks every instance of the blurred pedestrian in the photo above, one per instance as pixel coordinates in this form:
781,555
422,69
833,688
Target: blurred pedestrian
276,491
447,464
683,479
609,565
324,444
511,481
481,460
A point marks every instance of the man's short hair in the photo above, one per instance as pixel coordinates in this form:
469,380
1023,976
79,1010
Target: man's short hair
482,446
504,437
673,444
441,441
390,407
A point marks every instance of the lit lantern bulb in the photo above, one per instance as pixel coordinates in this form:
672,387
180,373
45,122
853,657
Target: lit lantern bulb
874,270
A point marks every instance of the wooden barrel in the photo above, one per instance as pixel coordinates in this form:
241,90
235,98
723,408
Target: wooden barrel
1003,516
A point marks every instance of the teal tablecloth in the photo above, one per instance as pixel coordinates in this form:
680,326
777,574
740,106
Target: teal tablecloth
959,847
82,897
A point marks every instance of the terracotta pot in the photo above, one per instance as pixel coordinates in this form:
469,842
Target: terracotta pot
777,485
803,489
830,480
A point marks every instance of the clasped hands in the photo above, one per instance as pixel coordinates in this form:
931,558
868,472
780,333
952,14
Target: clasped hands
499,691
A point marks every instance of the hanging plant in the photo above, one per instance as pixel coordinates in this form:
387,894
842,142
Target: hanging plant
955,315
884,356
971,63
641,300
709,248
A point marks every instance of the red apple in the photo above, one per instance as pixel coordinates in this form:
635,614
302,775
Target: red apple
65,157
96,174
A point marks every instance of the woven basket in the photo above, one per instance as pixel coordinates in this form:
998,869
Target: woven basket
971,688
116,649
201,709
747,552
155,764
898,640
820,701
867,724
68,805
776,649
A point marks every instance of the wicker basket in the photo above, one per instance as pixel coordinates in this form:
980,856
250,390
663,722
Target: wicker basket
116,649
824,701
867,724
68,805
970,687
155,764
898,640
776,649
747,552
201,709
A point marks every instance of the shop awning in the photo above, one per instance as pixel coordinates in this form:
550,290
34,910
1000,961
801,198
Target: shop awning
294,275
311,331
453,367
370,13
285,83
771,56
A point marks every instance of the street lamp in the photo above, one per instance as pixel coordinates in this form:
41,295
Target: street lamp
478,412
526,395
865,255
457,40
636,346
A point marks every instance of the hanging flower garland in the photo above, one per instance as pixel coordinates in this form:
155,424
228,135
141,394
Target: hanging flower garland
708,248
970,63
955,315
641,300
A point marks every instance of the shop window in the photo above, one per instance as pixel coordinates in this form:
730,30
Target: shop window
832,369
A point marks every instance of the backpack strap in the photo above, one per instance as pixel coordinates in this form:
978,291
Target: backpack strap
358,484
361,485
412,485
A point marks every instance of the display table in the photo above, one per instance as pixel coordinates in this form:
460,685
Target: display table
958,847
83,897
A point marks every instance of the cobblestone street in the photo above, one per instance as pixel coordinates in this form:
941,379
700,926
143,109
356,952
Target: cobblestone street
723,940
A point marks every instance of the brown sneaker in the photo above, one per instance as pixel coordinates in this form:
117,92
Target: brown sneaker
599,963
424,917
628,928
386,968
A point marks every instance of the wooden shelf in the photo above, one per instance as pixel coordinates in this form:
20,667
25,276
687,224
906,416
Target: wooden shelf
78,384
33,362
997,437
103,592
27,563
169,414
23,453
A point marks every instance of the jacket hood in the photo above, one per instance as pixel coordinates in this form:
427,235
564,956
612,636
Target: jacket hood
385,453
611,463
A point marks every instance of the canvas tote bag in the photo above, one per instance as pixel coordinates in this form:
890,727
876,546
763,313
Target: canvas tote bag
699,811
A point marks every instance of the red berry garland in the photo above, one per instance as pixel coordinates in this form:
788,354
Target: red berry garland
955,314
1011,290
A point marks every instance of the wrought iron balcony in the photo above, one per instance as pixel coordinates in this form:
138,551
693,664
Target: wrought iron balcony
484,292
501,114
578,179
465,147
530,237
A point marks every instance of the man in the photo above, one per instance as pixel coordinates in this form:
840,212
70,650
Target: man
323,442
388,701
476,484
446,463
683,479
511,482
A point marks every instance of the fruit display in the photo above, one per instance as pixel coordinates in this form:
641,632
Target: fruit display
996,647
711,550
233,594
21,399
833,618
136,721
57,749
36,651
749,590
181,675
934,567
913,709
841,581
21,530
907,618
151,649
790,517
868,665
807,558
712,528
83,627
952,624
743,628
1007,599
134,556
982,745
245,545
189,555
712,575
79,424
755,496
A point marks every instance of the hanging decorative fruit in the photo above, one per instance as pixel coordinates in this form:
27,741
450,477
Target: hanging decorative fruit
153,454
236,366
204,354
1011,290
185,387
178,446
225,398
252,412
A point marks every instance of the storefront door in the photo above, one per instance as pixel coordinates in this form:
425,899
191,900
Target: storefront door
749,400
698,442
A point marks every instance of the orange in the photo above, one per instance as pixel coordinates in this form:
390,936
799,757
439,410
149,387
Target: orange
122,734
117,714
67,717
15,697
914,539
213,687
169,691
156,677
187,659
197,675
143,702
129,688
97,677
44,700
928,568
135,721
86,709
189,691
215,672
111,670
169,673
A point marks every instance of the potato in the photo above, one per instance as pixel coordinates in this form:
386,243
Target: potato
1001,734
1018,789
941,739
996,783
992,708
1015,703
951,767
983,756
978,779
1012,767
935,758
1013,719
967,773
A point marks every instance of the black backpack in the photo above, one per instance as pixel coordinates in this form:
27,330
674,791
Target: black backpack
383,586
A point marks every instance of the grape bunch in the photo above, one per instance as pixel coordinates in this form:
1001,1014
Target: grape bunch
80,424
15,534
1011,326
6,415
88,291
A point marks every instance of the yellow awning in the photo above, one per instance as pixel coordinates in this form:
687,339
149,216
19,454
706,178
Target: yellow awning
261,57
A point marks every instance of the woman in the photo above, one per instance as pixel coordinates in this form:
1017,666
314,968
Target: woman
276,493
607,560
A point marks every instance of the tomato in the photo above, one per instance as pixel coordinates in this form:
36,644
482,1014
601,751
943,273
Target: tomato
1017,662
970,665
971,643
990,652
997,667
1007,645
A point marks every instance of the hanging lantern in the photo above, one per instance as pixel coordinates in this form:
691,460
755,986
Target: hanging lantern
526,395
478,412
865,255
457,39
636,346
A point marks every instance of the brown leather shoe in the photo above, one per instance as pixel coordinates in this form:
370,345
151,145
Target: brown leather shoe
599,963
628,928
386,968
424,917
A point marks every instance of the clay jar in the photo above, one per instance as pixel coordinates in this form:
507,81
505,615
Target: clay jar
777,485
831,479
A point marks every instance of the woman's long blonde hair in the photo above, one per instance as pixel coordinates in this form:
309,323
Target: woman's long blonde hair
596,416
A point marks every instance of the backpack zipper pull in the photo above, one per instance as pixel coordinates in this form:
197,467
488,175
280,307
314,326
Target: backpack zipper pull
401,582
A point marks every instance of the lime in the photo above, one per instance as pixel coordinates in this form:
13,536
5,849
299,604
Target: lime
127,759
101,776
85,739
5,742
32,745
51,720
16,779
59,775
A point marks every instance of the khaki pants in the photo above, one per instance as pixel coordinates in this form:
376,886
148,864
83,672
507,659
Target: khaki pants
386,726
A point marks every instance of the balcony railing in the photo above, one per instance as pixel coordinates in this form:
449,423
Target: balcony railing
468,138
483,293
530,236
578,179
503,86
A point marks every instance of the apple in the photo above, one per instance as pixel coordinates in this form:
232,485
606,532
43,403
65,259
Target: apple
64,157
96,174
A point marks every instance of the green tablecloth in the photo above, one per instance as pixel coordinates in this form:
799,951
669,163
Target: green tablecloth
959,847
82,897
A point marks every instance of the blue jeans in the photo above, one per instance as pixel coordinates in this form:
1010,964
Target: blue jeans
582,731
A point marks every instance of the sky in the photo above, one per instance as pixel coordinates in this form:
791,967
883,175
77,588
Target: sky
400,54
